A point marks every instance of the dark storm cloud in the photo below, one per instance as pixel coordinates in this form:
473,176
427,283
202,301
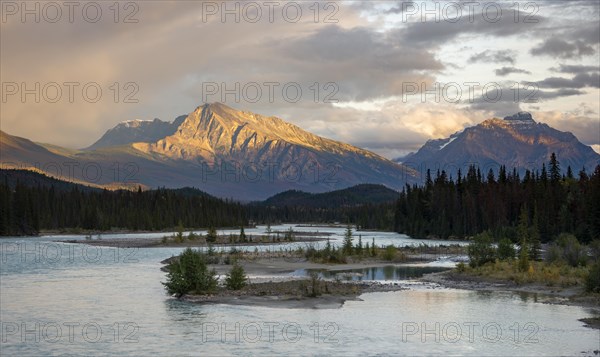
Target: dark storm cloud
504,71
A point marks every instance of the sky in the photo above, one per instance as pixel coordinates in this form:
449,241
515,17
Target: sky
382,75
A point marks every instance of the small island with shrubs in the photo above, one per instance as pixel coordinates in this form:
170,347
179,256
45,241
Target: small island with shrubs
194,274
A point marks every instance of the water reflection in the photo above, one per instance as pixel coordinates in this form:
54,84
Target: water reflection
388,272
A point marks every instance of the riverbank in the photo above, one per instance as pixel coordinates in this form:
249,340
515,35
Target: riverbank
571,295
293,294
196,243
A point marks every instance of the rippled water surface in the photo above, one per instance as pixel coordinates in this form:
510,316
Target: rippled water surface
72,299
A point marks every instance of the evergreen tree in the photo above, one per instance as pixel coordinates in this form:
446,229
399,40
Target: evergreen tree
179,235
236,278
554,169
211,235
359,247
523,227
189,273
347,246
373,251
243,237
535,248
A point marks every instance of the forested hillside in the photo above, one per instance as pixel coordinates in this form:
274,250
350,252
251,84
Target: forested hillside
553,202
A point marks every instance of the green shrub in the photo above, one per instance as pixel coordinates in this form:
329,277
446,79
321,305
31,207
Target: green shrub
191,236
314,288
481,250
389,253
573,252
592,283
236,278
190,273
211,235
506,250
554,254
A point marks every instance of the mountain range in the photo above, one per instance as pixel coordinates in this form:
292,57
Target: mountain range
220,150
237,154
517,141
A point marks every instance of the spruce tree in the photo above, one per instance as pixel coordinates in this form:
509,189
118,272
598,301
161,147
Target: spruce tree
236,278
359,247
347,246
242,235
535,244
211,235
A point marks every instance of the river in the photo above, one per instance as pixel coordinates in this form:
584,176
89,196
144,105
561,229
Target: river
59,298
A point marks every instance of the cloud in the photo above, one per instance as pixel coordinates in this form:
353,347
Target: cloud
507,56
556,47
584,127
506,100
401,7
581,80
504,71
563,92
575,69
484,22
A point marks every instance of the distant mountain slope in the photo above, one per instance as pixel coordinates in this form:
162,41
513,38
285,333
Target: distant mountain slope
15,150
352,196
133,131
515,141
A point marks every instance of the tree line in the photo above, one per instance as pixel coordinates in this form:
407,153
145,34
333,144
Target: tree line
547,201
25,210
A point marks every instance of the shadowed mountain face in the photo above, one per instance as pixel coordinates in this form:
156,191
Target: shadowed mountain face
515,141
133,131
225,152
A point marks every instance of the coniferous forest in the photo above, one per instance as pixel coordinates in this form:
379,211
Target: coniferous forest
26,210
551,201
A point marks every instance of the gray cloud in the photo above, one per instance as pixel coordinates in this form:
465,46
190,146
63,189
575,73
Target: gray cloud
501,56
575,69
401,7
504,71
564,92
504,102
437,33
581,80
556,47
